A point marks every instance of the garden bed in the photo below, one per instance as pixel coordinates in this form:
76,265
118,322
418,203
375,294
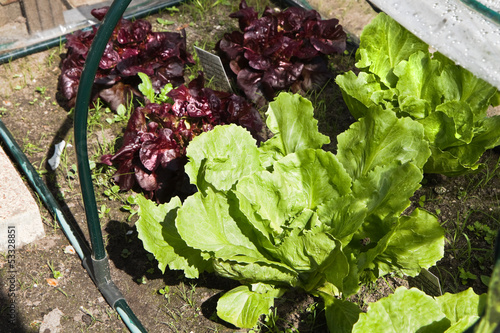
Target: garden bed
33,110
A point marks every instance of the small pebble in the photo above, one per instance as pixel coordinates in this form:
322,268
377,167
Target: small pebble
440,190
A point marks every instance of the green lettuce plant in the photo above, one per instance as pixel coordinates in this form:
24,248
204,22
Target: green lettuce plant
490,320
400,74
411,310
288,214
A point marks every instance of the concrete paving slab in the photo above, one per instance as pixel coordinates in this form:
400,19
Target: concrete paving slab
20,220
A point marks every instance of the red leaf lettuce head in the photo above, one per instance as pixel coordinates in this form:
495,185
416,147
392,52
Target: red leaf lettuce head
281,50
152,156
133,48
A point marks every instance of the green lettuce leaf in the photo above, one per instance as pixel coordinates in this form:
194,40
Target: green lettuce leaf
490,322
359,90
343,216
458,84
457,307
450,125
395,184
311,177
263,203
204,223
458,160
418,85
156,228
462,325
215,157
314,253
351,283
462,116
418,242
376,235
400,75
340,315
254,270
290,118
407,310
383,45
378,139
486,136
243,305
411,310
399,244
444,162
146,87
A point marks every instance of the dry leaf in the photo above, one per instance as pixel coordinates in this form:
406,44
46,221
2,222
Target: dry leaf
184,26
69,249
52,282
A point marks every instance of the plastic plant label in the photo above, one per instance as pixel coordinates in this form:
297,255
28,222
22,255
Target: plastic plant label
56,158
428,283
214,70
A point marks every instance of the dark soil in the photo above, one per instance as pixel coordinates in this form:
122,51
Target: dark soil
169,302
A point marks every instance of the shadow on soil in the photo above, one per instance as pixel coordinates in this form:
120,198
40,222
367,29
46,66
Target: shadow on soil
10,318
52,182
127,253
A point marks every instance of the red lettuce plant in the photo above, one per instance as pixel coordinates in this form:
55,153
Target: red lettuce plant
154,145
132,48
281,50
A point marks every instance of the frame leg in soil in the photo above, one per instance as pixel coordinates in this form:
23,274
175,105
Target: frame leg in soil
97,264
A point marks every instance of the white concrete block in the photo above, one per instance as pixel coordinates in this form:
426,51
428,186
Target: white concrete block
20,220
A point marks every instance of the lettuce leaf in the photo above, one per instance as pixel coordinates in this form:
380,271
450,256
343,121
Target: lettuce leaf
407,310
491,318
379,139
381,35
256,270
205,223
461,85
341,315
293,130
411,310
133,48
363,91
296,128
156,228
216,160
417,243
312,176
458,306
243,305
280,51
418,85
